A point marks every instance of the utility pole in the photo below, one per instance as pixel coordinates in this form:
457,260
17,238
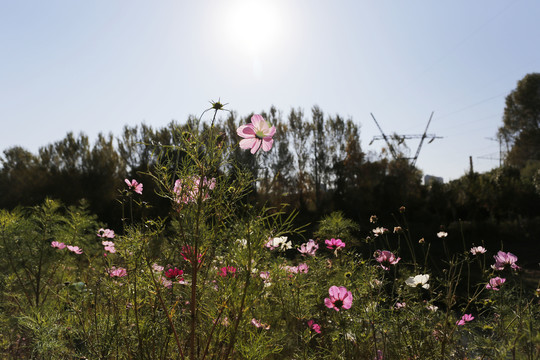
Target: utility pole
402,138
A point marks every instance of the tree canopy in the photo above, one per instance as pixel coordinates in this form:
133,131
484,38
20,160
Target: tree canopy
521,122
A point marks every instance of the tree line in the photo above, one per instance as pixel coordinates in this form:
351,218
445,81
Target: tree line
317,166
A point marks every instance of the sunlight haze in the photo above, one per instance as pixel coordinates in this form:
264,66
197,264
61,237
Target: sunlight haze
96,66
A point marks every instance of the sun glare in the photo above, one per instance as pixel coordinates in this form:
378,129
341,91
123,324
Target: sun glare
253,25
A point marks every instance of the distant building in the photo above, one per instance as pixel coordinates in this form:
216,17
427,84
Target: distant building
429,179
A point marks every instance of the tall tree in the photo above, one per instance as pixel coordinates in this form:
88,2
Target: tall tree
521,122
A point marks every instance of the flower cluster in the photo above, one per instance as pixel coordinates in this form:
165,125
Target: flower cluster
188,190
174,274
61,245
301,268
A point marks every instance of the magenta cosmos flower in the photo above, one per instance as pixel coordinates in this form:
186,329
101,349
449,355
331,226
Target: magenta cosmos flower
315,327
256,135
465,319
227,270
134,185
502,259
174,273
494,283
386,258
334,244
339,298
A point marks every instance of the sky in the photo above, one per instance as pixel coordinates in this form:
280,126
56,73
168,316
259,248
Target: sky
96,66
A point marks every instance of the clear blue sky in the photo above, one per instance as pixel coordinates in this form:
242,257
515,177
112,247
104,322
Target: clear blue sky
94,66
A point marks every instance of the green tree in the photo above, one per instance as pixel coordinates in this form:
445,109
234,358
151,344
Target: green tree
521,122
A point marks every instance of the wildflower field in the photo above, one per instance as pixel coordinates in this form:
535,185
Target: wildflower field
222,278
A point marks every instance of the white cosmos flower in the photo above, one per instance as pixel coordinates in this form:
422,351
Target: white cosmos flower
280,243
442,234
418,280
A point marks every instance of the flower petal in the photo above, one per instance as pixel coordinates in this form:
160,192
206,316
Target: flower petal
258,122
334,292
267,144
270,132
248,143
246,131
256,146
328,302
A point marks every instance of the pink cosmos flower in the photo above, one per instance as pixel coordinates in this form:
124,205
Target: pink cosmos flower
339,298
174,274
157,268
75,249
309,248
59,245
134,185
227,270
464,319
166,282
494,283
303,268
256,135
400,305
334,244
117,272
502,259
315,327
106,233
259,324
386,258
109,246
478,250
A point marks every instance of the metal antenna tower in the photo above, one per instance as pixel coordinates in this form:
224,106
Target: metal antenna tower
402,138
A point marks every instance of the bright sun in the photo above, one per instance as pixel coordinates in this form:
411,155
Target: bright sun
253,25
